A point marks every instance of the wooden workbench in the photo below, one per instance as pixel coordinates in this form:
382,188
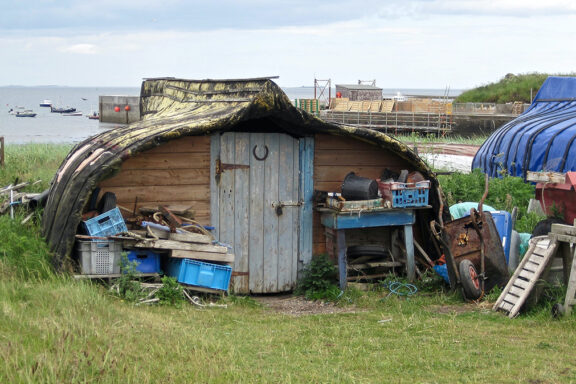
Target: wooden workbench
340,221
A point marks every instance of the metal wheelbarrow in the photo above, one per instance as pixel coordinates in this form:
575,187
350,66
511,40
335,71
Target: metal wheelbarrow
475,258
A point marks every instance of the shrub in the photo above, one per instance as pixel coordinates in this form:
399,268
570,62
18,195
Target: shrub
319,280
504,193
170,293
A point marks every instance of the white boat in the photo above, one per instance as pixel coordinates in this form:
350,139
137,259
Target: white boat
78,113
15,110
25,113
46,103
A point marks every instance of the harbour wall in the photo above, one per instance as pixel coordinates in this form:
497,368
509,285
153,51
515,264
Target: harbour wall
119,109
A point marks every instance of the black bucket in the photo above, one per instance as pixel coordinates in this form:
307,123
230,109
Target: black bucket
359,188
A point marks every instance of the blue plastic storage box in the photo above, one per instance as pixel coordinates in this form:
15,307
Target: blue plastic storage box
503,222
410,194
107,224
148,261
199,273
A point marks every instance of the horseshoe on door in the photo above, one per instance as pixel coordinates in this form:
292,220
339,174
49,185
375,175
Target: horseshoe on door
258,157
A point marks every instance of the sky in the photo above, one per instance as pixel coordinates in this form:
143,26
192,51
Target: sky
419,44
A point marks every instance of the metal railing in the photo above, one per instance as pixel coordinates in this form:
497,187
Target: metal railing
394,122
489,108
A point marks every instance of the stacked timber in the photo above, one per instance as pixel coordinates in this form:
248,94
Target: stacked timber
184,245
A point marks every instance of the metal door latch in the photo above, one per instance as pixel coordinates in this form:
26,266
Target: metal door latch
279,205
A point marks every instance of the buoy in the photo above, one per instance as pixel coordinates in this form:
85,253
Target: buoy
116,109
127,108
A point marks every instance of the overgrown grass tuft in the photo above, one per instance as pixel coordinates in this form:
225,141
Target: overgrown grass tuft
32,162
24,254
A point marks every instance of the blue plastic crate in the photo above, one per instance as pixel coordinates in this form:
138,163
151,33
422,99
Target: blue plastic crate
148,261
199,273
107,224
410,195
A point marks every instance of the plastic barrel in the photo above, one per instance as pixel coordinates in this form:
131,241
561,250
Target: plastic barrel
359,188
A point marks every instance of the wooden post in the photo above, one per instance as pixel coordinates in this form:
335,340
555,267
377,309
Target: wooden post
1,151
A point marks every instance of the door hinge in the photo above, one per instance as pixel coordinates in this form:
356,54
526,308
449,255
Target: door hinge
221,167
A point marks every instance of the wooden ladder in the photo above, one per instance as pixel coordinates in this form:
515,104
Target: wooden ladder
514,295
565,235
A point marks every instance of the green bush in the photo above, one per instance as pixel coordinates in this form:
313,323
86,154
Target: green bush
129,287
319,280
170,293
503,193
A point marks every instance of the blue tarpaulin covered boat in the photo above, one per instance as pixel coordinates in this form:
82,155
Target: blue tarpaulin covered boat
541,139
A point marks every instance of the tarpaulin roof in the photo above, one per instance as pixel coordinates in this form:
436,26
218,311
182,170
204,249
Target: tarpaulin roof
541,139
173,108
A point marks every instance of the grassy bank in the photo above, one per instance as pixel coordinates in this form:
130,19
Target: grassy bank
510,88
57,330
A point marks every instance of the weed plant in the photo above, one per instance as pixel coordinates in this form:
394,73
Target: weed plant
318,280
170,293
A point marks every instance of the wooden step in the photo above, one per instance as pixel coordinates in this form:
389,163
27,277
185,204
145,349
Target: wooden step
529,270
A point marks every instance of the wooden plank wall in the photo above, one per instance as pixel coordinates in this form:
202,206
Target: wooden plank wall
177,173
334,158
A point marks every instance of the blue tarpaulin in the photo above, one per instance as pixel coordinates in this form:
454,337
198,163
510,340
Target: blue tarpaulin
541,139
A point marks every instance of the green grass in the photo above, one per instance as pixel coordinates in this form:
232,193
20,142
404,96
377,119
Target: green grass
57,330
508,89
32,162
66,331
413,139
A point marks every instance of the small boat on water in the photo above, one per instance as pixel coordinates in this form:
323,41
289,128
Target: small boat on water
62,110
46,103
25,113
74,113
94,116
15,110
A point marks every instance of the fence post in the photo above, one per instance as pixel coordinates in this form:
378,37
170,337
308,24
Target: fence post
1,151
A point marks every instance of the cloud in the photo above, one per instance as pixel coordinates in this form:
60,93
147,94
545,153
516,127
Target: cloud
82,49
508,8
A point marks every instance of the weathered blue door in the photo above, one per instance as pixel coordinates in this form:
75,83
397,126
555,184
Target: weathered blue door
256,207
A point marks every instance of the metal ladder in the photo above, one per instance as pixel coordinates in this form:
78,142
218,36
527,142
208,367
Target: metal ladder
514,295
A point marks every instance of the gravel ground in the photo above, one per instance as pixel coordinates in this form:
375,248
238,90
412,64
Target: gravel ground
298,306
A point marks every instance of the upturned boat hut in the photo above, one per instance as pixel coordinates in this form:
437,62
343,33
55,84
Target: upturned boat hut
243,158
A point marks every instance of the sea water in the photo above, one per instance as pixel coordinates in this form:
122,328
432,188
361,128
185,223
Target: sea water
48,127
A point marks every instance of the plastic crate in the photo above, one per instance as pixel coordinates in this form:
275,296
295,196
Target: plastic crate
503,222
410,194
199,273
99,257
107,224
147,261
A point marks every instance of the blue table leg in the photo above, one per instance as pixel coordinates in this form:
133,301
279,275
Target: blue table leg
409,243
342,262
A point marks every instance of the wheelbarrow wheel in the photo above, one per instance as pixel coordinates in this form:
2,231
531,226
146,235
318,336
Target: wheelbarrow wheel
470,280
